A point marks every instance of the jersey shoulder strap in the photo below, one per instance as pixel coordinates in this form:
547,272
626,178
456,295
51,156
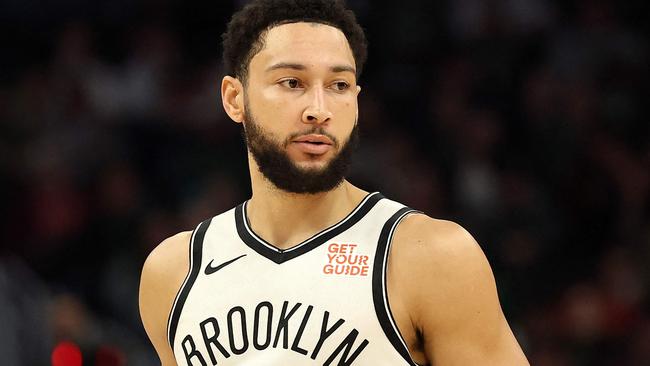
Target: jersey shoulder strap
379,288
195,254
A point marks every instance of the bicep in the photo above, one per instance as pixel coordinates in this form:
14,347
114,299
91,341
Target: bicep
476,333
158,287
153,318
468,326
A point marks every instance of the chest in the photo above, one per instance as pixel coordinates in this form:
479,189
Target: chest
323,300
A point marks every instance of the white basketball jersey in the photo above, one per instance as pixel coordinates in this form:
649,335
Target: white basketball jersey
321,302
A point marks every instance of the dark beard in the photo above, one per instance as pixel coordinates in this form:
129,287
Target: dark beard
276,166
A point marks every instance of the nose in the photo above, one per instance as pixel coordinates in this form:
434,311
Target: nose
317,111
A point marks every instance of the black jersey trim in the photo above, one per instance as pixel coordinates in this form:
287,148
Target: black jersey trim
195,254
279,256
379,290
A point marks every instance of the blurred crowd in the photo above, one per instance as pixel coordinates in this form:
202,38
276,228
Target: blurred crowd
523,120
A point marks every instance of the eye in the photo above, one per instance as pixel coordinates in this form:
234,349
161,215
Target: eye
291,83
341,85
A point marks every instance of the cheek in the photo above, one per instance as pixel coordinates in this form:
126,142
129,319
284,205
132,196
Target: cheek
347,110
278,105
349,104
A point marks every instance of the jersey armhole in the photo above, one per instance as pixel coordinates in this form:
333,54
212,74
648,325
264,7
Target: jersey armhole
379,288
195,255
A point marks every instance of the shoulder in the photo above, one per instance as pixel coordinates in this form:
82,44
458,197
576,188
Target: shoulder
169,256
165,268
427,240
162,276
428,254
448,293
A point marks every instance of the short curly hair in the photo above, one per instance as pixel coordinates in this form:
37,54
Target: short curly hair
244,36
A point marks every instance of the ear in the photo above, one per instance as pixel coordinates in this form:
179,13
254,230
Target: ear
357,112
232,97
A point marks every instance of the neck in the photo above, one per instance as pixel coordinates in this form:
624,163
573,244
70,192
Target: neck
285,219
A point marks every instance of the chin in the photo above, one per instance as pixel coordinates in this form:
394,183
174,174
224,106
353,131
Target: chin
312,162
312,166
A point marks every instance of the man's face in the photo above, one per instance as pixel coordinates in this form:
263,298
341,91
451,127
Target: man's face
301,107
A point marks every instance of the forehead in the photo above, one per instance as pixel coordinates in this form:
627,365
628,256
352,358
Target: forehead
312,44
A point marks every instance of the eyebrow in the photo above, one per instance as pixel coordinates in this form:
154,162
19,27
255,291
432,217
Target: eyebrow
301,67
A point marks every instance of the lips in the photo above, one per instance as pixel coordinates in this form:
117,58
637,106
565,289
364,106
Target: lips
314,139
313,144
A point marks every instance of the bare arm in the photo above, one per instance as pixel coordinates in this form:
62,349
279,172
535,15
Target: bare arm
162,275
447,289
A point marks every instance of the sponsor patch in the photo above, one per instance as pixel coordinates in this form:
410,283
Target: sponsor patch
345,260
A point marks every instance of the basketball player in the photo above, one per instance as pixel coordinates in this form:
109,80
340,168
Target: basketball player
313,270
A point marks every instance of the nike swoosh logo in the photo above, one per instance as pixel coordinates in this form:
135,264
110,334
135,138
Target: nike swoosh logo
210,270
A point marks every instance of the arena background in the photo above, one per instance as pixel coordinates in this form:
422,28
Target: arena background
524,120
